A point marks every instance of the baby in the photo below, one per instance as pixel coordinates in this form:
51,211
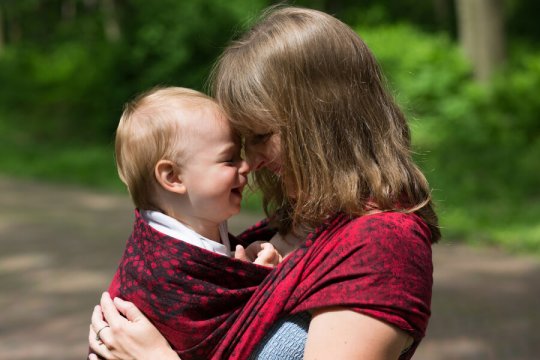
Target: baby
180,160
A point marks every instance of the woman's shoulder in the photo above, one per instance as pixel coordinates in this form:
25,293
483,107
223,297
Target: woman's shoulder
386,234
388,255
392,252
388,225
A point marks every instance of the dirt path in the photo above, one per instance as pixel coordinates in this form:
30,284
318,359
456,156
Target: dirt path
60,245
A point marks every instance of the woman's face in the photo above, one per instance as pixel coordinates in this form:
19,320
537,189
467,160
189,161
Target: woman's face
264,151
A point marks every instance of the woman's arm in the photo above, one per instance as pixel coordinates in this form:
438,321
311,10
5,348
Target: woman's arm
129,336
334,333
338,333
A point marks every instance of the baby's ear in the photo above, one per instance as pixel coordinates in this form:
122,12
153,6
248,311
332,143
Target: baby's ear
168,176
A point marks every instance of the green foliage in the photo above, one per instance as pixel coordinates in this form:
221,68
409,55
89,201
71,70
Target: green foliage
71,84
52,95
478,145
65,79
174,42
89,165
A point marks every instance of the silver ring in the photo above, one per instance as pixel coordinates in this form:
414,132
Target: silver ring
100,330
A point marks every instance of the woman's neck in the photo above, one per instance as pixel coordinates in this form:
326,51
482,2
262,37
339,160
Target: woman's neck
286,244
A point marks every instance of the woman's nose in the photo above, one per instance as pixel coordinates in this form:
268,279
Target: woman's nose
244,168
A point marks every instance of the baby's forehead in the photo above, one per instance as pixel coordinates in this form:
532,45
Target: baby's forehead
184,108
205,106
201,115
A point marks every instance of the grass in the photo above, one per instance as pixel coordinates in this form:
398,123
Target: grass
89,165
512,226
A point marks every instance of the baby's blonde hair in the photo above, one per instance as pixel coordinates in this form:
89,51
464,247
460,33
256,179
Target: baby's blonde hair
150,130
309,78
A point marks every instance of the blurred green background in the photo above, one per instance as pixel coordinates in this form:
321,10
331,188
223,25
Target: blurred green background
68,66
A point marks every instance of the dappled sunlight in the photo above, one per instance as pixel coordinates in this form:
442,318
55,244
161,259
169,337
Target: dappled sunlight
471,260
102,202
58,338
23,262
462,348
73,282
54,266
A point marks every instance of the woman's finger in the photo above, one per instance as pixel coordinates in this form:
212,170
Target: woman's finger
97,319
98,346
110,313
128,309
101,326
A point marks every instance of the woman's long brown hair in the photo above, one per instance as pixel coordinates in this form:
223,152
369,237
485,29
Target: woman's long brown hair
309,78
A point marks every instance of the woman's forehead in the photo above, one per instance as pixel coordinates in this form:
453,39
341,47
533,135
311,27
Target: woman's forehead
252,126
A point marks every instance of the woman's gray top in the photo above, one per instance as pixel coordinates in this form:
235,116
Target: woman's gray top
286,340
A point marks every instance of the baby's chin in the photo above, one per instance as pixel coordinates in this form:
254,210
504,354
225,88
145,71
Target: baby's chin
235,210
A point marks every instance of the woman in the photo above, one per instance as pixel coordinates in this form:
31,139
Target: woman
346,205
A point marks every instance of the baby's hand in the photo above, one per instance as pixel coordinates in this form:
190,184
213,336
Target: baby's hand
260,252
268,255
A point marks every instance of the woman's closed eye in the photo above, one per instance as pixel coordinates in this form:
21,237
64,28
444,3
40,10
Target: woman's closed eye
260,138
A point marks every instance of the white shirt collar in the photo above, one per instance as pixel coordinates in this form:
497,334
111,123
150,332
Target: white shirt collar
174,228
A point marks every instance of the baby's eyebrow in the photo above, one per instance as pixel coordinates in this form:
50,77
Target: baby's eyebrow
228,148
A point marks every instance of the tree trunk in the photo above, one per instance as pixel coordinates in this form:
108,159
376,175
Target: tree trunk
69,10
481,34
443,10
2,38
110,23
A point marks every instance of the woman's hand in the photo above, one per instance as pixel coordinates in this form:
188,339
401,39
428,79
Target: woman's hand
125,333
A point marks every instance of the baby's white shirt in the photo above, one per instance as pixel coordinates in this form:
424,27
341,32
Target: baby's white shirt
174,228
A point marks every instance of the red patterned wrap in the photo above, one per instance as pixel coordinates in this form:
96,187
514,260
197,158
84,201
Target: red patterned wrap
213,307
190,294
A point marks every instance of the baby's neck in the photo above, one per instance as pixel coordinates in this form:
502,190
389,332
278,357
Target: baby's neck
209,232
202,227
183,212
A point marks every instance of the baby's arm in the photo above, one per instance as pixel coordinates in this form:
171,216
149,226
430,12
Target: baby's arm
260,252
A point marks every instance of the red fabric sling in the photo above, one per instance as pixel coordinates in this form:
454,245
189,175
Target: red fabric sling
212,307
190,294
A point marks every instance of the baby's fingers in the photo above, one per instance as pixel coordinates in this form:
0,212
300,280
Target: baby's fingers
240,253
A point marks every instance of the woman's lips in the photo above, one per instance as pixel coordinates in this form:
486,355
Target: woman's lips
276,169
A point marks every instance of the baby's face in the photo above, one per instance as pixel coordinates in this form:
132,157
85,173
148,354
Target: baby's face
213,171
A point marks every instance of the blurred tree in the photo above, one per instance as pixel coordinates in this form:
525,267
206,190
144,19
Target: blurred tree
69,10
432,15
74,62
523,19
2,40
481,34
110,21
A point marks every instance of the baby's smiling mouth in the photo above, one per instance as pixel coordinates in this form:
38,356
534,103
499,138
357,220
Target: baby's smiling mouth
238,190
